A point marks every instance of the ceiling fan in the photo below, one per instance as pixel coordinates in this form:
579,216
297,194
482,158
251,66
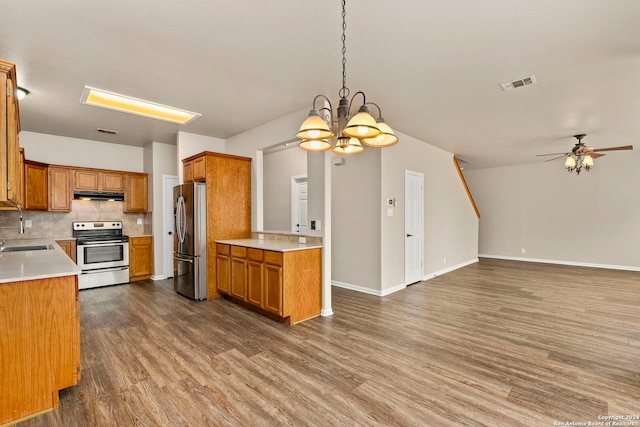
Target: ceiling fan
582,156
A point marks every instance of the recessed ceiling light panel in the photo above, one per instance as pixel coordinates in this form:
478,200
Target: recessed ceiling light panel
140,107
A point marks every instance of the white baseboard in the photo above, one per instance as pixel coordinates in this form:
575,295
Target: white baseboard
553,261
158,277
450,269
326,313
369,291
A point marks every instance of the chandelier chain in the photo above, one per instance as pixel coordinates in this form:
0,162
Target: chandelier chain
344,92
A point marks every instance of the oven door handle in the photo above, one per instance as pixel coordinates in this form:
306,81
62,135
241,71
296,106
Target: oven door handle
105,242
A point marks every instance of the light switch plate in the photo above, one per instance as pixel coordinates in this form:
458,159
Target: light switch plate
139,221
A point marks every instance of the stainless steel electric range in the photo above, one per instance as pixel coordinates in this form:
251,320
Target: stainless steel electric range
102,253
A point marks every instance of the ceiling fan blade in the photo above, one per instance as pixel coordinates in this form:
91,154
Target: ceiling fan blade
556,158
552,154
596,155
624,147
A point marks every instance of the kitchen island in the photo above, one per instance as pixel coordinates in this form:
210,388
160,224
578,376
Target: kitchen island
39,327
280,278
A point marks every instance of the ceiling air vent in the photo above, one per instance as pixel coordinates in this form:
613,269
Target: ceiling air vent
525,81
107,131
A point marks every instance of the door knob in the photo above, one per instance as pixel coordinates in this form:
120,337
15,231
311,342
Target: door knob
409,235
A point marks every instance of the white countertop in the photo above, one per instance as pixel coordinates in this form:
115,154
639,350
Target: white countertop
30,265
269,244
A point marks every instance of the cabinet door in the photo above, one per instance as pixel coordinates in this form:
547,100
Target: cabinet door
255,277
111,181
60,189
239,272
9,146
223,272
273,289
36,186
140,258
135,197
86,180
199,168
187,172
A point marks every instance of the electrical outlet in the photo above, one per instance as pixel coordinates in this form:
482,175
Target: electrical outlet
139,221
318,225
28,223
260,236
524,251
302,240
444,260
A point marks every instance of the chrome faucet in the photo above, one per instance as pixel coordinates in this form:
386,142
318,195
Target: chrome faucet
21,230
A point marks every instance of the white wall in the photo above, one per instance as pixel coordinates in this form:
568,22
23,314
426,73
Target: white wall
62,150
278,169
368,253
450,223
588,219
355,195
163,162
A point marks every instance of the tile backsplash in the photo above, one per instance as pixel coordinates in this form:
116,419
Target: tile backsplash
58,224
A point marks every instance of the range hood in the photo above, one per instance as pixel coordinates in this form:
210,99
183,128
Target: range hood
98,195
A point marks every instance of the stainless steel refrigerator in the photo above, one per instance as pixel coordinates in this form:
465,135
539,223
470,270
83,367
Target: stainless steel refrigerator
190,241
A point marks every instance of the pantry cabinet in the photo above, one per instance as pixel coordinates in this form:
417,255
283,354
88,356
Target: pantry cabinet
228,186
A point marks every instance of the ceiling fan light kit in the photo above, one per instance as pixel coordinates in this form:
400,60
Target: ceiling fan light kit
581,156
351,132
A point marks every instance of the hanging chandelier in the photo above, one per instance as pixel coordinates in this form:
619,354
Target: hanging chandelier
352,131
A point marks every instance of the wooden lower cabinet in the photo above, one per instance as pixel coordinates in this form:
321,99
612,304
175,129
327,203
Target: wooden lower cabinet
39,345
140,258
69,248
286,285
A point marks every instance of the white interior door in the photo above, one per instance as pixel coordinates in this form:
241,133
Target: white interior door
299,195
413,226
169,227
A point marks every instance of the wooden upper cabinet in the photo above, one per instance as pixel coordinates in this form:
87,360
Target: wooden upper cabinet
98,180
10,167
36,186
112,181
136,192
194,168
60,189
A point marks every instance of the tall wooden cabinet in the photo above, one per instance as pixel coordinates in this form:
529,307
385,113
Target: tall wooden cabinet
10,166
228,183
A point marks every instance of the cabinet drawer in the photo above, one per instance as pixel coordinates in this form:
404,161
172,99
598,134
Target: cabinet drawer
255,254
238,251
271,257
223,249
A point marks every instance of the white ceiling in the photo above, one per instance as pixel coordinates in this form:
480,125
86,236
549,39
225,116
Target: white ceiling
433,66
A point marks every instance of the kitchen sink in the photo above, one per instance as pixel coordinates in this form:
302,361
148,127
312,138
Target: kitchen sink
25,248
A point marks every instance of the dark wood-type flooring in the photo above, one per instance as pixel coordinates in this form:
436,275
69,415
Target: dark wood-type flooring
497,343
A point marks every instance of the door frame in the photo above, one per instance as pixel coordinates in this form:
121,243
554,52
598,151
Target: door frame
168,182
420,234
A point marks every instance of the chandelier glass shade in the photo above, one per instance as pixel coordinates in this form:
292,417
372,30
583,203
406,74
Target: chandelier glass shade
350,131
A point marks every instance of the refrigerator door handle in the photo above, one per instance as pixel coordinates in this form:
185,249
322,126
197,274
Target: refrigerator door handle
181,214
189,260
